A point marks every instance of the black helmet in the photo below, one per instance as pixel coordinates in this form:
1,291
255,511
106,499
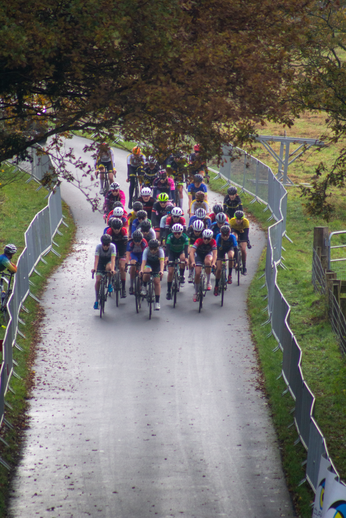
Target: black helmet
10,249
117,204
137,236
217,208
145,226
137,206
142,214
225,230
153,243
239,214
232,190
198,178
106,239
116,223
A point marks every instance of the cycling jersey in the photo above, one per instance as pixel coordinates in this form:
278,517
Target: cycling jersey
147,205
168,187
5,263
111,198
136,248
215,228
199,205
241,226
170,222
149,235
192,236
157,213
104,256
151,257
106,158
224,245
123,219
230,206
212,218
177,245
206,221
150,173
203,248
121,237
133,163
135,224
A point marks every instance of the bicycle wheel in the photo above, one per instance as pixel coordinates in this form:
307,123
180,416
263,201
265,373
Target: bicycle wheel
222,285
102,294
150,297
240,264
136,191
105,185
174,289
201,293
138,294
117,287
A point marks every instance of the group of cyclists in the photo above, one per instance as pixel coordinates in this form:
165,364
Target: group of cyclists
155,234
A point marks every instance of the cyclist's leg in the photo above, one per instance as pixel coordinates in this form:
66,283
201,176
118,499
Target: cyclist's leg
230,265
181,195
243,245
182,267
207,262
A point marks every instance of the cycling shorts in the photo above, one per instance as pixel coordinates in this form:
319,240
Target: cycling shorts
174,255
121,250
108,165
136,257
221,253
199,258
101,268
154,267
242,237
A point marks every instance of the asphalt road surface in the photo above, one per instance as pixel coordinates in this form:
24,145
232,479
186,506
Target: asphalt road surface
132,418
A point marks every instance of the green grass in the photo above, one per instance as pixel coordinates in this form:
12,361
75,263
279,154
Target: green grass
19,202
324,367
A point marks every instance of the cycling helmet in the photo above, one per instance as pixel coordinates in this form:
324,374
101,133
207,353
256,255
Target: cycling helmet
106,239
118,204
196,148
177,228
232,190
10,249
217,208
198,225
114,186
152,160
118,212
142,214
162,173
200,213
137,206
145,226
200,195
146,191
239,214
163,197
169,207
198,178
137,236
153,243
225,230
177,211
116,223
221,217
207,233
136,150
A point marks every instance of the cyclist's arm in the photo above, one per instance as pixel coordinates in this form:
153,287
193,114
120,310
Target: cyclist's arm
96,262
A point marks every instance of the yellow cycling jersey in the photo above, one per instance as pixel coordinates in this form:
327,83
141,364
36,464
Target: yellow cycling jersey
239,224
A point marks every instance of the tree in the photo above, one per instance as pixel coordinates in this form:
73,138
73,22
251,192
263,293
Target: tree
159,71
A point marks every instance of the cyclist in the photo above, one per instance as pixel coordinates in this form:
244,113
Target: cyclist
147,231
202,215
134,252
176,248
6,259
105,254
232,202
199,203
169,207
105,161
226,244
193,233
175,217
240,227
119,237
133,214
114,194
197,163
159,210
203,251
141,216
216,209
147,200
118,212
220,220
151,170
135,163
163,184
153,262
195,186
177,165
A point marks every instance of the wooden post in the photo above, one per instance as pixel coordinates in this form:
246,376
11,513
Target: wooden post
321,235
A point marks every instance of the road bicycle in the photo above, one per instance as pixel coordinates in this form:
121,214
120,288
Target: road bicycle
6,290
239,264
223,280
117,282
137,285
150,296
175,280
102,293
202,289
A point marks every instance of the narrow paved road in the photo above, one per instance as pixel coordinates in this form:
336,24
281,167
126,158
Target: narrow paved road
132,418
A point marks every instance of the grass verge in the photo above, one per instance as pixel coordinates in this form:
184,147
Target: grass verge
324,367
19,202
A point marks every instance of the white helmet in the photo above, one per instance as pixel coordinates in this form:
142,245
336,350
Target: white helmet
177,211
198,225
146,191
221,217
177,227
200,213
207,233
118,212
